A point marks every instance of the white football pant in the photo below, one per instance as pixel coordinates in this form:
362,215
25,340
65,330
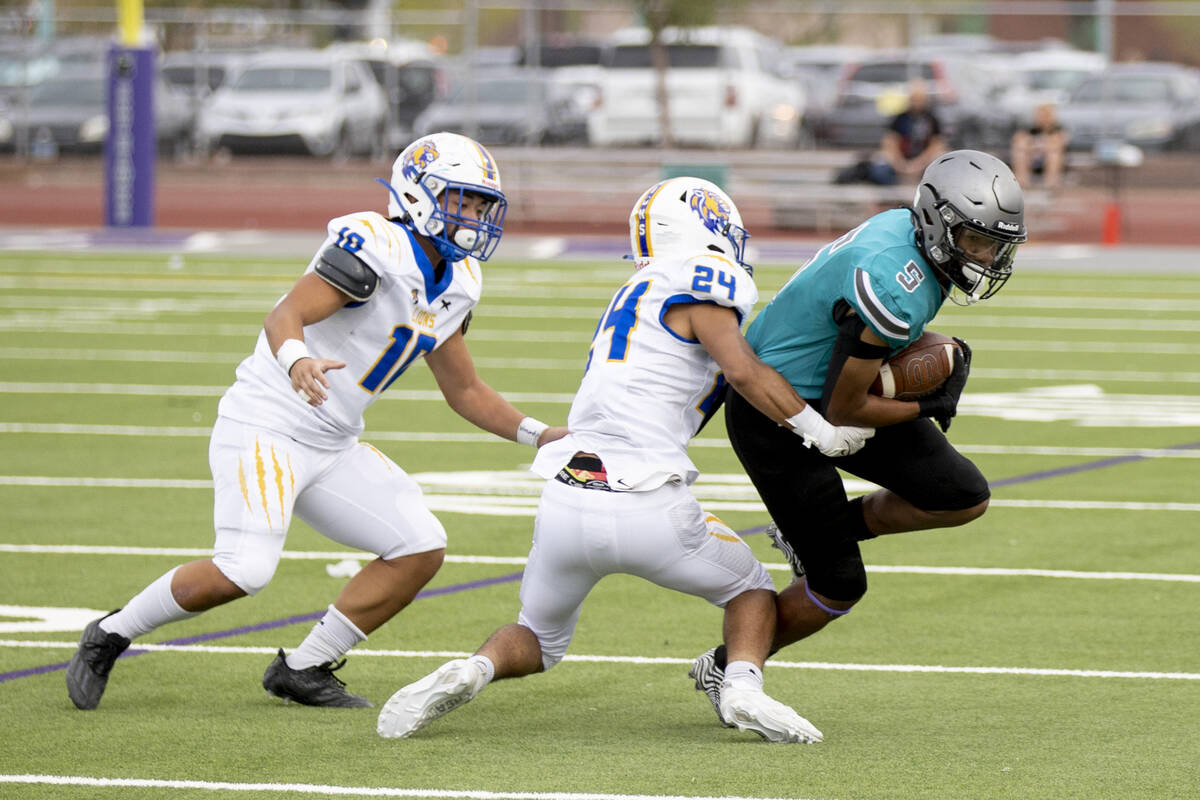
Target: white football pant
357,497
663,535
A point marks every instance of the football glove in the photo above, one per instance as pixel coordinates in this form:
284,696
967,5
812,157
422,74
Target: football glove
942,405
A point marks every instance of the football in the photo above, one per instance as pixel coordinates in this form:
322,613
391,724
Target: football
918,369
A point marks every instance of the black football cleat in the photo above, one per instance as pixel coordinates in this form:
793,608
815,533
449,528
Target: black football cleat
311,686
87,673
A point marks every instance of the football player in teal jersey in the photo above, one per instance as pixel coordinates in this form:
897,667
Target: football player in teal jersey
862,298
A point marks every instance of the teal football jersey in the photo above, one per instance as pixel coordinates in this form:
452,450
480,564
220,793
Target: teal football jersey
878,269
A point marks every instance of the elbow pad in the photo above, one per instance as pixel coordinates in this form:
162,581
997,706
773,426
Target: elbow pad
347,273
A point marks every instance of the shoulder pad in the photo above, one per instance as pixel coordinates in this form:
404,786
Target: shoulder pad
347,272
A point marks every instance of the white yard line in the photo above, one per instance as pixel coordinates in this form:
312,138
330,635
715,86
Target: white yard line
190,356
22,292
202,431
657,660
174,390
502,505
98,327
953,319
60,310
327,790
567,364
519,561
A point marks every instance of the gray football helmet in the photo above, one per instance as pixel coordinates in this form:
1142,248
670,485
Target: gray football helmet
970,217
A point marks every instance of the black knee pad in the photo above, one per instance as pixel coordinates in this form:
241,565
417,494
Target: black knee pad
838,574
845,581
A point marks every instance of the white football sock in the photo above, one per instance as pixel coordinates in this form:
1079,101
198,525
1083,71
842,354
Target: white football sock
743,674
329,640
150,608
485,665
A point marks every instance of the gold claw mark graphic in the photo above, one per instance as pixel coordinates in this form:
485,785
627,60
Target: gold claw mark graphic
245,488
279,483
260,471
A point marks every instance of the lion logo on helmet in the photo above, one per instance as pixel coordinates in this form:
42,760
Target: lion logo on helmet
423,154
712,210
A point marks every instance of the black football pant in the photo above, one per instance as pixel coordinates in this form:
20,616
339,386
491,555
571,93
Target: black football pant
803,491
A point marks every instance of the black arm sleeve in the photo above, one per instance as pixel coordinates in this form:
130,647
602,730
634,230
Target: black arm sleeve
848,344
346,272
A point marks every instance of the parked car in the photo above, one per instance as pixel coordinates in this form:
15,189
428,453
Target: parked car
726,87
817,68
1153,105
574,67
411,75
198,73
308,101
68,113
518,106
22,65
1044,76
872,91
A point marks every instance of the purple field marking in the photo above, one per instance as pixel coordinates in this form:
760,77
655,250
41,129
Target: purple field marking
1074,468
261,626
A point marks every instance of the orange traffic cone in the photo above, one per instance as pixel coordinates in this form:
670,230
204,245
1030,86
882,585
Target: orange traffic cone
1110,228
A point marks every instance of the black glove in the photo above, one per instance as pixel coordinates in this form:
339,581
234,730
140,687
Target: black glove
942,405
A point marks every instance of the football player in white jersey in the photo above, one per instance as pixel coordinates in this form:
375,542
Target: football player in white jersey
381,292
617,497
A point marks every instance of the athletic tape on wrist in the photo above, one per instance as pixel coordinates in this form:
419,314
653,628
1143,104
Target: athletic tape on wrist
806,423
530,430
291,351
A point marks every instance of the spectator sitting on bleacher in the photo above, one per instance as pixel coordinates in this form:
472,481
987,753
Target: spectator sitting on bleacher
911,142
1040,149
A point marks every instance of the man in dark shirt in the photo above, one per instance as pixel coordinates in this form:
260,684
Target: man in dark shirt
911,142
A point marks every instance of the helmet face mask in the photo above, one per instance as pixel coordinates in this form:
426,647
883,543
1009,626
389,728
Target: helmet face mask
979,264
685,216
970,217
433,185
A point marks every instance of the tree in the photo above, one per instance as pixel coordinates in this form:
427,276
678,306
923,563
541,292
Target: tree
657,15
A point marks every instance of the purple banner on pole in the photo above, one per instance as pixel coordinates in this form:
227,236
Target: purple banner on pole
129,149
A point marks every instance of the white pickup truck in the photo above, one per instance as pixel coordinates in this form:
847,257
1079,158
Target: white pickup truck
725,88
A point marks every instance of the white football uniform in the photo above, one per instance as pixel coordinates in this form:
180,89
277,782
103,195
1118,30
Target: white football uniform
408,316
272,453
646,390
644,395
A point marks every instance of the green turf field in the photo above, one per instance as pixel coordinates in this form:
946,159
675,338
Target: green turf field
1049,650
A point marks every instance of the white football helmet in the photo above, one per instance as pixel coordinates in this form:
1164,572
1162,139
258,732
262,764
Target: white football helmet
429,180
684,216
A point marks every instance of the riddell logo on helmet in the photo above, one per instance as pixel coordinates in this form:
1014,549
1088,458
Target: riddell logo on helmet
1008,226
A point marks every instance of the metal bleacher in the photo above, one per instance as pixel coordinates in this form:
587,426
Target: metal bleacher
774,190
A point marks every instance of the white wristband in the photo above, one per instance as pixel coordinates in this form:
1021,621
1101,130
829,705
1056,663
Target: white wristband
291,351
530,430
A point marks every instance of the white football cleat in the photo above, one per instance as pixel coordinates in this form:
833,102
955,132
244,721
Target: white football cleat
451,685
752,710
